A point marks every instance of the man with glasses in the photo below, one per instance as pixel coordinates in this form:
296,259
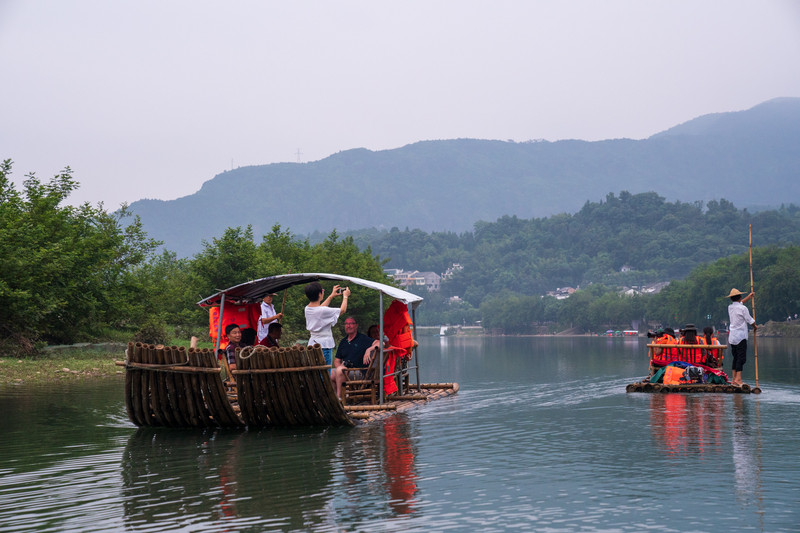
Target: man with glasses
351,353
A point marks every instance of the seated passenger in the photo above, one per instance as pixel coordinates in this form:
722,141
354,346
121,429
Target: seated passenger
351,353
373,332
248,336
669,354
712,358
689,336
234,334
273,336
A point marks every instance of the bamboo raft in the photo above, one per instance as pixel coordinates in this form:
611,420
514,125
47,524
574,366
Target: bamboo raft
646,386
178,387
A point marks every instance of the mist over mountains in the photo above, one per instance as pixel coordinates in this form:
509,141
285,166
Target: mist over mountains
749,157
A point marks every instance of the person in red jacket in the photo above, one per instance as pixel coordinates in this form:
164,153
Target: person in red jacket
663,356
692,356
712,358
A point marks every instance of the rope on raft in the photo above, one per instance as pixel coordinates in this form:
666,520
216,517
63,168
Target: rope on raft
287,387
175,387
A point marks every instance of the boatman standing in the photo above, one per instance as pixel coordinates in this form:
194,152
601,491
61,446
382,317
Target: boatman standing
739,317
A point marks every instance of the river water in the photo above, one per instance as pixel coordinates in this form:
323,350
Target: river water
542,436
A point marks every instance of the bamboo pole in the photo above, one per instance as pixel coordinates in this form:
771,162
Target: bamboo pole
170,368
280,370
437,386
705,346
283,303
753,305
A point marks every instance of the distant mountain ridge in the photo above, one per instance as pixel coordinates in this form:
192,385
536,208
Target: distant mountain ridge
749,157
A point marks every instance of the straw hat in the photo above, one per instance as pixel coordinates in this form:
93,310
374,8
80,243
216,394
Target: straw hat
734,292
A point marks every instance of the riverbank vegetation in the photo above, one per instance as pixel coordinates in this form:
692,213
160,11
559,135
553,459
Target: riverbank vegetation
48,367
76,274
72,274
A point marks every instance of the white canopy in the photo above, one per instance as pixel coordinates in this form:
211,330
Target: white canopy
254,291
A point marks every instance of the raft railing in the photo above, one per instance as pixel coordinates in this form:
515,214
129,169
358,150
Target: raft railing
679,354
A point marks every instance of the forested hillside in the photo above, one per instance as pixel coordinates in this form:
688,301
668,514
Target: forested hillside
749,157
699,299
658,240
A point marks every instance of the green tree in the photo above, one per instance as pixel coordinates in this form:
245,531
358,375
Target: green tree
61,267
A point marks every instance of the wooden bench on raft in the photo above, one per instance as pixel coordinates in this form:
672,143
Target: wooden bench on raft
366,388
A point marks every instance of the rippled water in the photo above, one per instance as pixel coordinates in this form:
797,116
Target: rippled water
541,436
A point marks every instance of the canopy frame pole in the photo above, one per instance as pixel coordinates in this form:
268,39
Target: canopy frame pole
380,343
416,350
219,324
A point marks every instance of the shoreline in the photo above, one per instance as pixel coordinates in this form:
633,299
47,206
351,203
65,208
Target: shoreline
79,364
97,360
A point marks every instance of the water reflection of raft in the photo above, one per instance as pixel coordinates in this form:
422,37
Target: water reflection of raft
176,387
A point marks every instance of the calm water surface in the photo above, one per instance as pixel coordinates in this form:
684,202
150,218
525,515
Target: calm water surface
542,436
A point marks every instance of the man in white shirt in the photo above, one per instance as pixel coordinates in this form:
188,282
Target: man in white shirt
739,318
268,316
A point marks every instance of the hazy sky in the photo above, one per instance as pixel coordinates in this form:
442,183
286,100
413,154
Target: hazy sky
149,99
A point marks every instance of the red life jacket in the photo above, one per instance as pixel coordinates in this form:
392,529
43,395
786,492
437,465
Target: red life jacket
244,316
667,354
713,357
714,342
691,355
396,326
674,375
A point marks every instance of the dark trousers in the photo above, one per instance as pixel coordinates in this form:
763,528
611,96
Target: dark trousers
739,355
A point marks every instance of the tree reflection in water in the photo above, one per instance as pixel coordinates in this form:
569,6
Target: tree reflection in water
224,476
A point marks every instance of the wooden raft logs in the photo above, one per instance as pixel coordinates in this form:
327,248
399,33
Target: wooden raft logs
174,387
287,387
367,414
687,387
